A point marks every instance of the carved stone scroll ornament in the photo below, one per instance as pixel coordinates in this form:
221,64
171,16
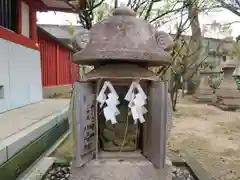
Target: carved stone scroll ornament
80,39
164,40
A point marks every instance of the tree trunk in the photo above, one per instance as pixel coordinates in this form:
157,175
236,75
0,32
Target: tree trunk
196,40
115,4
195,51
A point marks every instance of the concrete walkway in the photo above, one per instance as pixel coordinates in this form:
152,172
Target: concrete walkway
14,121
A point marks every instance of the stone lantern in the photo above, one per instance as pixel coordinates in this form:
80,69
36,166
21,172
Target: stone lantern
122,111
228,97
204,92
209,78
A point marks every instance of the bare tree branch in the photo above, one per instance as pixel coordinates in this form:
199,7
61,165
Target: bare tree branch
115,4
231,5
149,10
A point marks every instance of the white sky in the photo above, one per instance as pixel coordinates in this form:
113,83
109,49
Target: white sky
221,17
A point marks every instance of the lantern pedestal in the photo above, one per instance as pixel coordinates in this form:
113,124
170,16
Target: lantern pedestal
120,166
204,93
210,80
227,96
228,100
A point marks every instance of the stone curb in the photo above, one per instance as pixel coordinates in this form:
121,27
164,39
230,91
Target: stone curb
15,143
44,163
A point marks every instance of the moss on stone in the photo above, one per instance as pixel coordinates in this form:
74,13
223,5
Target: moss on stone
65,150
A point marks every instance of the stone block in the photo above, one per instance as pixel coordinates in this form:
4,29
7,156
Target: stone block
23,159
3,154
18,141
40,169
109,169
203,96
62,115
227,99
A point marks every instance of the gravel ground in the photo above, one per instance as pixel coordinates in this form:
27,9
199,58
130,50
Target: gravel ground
58,173
211,135
181,174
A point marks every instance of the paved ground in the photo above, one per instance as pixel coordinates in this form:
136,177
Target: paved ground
212,136
16,120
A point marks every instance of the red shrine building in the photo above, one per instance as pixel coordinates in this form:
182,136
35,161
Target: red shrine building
21,68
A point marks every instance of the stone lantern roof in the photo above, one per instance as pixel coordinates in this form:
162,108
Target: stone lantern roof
123,38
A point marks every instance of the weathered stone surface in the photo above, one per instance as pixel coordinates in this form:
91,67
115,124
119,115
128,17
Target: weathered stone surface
116,169
170,113
80,39
124,38
3,154
228,80
40,169
204,96
121,71
228,100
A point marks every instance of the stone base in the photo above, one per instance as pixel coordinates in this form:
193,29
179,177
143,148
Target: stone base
120,169
204,96
227,100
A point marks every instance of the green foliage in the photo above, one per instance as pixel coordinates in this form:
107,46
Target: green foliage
237,82
71,28
65,151
181,52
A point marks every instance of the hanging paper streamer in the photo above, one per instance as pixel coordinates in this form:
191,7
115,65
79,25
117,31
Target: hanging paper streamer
110,111
137,100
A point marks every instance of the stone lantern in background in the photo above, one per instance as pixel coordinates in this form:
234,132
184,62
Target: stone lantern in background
210,77
204,92
228,65
228,68
121,105
228,97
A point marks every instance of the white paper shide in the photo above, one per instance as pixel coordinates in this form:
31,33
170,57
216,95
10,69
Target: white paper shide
110,111
137,99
